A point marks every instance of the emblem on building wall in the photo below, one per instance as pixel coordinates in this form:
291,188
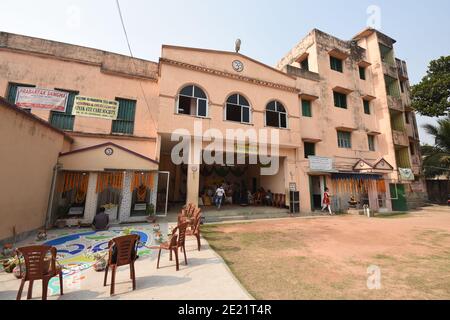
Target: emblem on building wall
109,151
238,66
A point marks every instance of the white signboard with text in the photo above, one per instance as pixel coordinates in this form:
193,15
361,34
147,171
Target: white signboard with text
320,164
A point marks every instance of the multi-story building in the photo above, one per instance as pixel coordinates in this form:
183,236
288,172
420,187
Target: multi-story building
341,110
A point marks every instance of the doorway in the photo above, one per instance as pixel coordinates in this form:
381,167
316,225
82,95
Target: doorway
398,197
317,187
162,197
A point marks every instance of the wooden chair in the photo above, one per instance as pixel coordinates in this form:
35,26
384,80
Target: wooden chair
258,199
37,267
282,203
276,200
177,241
195,230
122,252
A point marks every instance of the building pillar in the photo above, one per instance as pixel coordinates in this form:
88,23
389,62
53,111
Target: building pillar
125,204
177,186
373,196
193,171
193,184
388,196
90,208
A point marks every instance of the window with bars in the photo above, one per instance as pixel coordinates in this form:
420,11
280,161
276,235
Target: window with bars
336,64
371,139
344,139
366,104
340,100
64,120
306,108
125,118
310,149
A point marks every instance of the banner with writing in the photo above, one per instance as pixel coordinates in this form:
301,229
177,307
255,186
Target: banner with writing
44,99
95,108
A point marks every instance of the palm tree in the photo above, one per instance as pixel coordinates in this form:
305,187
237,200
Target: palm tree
436,160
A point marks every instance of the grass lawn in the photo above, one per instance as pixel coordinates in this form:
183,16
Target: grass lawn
329,258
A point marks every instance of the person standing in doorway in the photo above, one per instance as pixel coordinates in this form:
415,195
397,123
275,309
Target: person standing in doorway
219,196
327,201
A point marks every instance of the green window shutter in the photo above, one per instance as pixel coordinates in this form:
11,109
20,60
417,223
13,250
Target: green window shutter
366,106
371,139
12,91
64,120
340,100
125,118
310,149
362,73
344,139
336,64
306,108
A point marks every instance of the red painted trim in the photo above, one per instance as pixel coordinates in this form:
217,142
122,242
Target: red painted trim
106,145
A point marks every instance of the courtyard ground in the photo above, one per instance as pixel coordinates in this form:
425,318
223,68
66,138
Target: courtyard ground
329,258
205,277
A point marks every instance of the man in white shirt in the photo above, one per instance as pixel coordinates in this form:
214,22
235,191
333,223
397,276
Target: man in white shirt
220,194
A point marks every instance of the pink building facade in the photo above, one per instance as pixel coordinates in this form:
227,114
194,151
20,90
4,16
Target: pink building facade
341,110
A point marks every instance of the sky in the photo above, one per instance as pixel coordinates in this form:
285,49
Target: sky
268,28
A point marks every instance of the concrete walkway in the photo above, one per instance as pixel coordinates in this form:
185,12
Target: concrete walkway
206,277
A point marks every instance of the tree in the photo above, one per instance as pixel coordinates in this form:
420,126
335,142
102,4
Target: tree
431,97
436,160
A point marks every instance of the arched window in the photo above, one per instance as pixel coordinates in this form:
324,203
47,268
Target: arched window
193,101
237,109
276,115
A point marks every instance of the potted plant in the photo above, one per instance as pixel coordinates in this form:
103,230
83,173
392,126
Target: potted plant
111,209
8,250
100,260
150,211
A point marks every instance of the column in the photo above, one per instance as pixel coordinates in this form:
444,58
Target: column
193,184
125,205
90,208
193,172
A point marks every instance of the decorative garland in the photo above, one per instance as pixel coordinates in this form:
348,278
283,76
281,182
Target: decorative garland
75,180
109,179
142,180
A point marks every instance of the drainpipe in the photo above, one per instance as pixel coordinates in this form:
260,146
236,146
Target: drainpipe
56,168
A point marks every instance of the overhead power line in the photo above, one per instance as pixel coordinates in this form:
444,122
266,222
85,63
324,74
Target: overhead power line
133,62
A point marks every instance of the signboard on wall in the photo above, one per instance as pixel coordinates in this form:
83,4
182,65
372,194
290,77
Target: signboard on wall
95,108
406,174
320,164
43,99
